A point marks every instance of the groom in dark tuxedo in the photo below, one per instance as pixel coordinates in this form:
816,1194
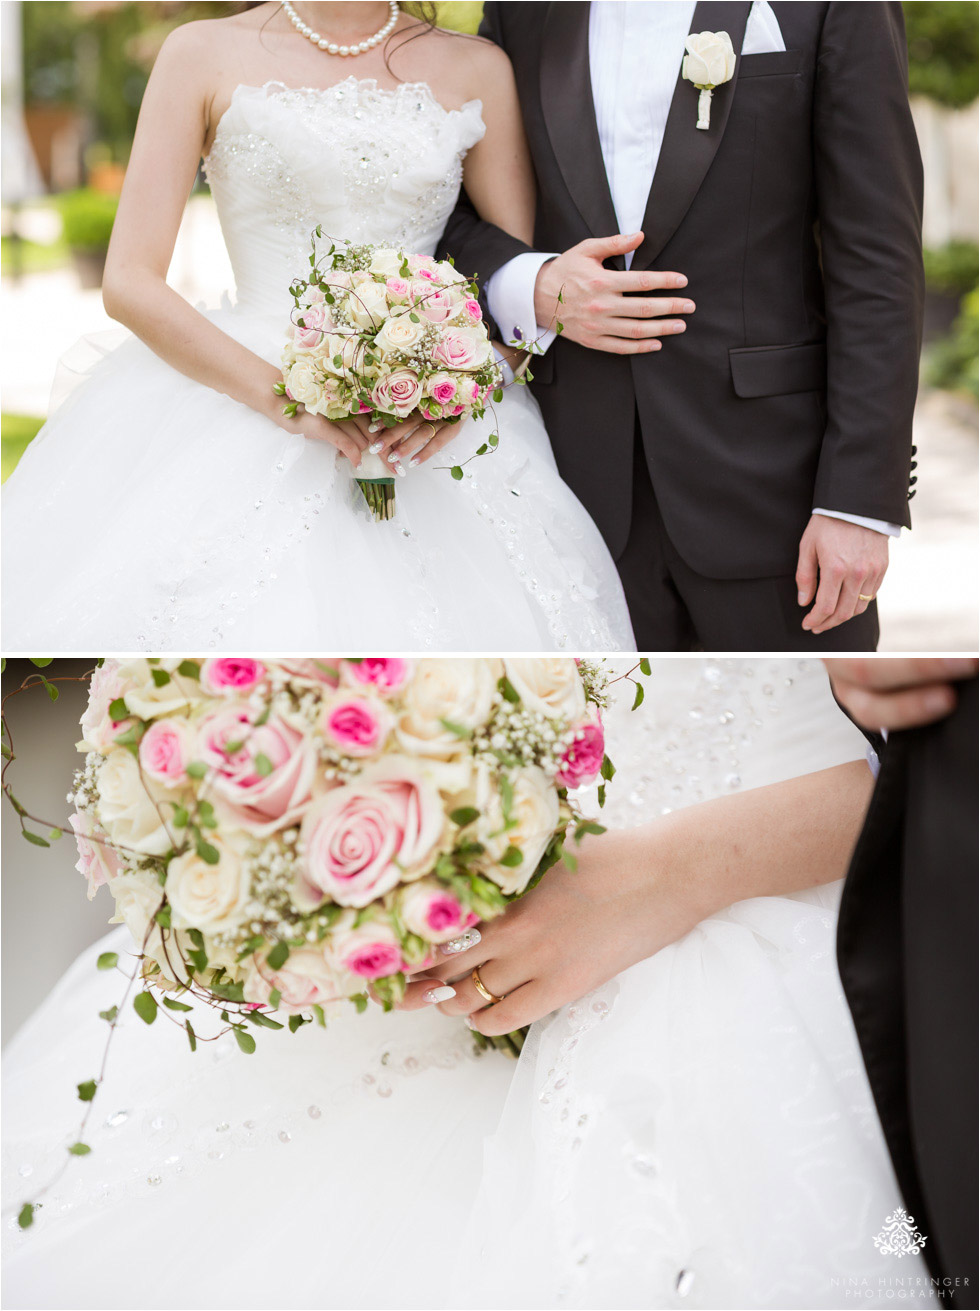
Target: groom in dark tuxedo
747,475
907,945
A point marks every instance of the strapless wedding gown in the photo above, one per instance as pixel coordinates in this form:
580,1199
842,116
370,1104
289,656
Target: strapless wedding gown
152,513
697,1133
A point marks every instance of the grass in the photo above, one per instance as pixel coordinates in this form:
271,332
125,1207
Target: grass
17,431
34,257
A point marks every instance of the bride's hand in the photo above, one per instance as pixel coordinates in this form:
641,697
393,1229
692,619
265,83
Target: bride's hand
573,932
411,442
346,436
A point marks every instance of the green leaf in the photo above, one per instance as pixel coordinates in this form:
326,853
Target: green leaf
507,690
295,1022
602,795
118,709
278,956
360,1001
263,765
162,917
173,1005
197,769
608,769
588,826
160,678
570,860
457,472
498,394
180,817
245,1041
34,838
26,1216
645,666
79,1149
263,1021
275,997
145,1006
321,1019
189,669
55,834
456,729
86,1090
251,946
191,1035
199,960
210,855
464,815
512,857
107,961
638,699
560,328
110,1014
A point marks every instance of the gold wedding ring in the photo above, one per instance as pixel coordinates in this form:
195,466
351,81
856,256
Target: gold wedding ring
432,430
862,597
482,989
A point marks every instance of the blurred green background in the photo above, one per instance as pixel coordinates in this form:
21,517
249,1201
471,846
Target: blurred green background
74,76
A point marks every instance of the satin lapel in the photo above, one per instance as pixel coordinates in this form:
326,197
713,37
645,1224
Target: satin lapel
569,114
686,154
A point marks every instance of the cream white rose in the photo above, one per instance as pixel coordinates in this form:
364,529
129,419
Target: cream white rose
211,897
303,382
551,686
306,980
386,262
458,691
535,814
349,350
127,809
138,897
399,334
368,305
710,60
145,699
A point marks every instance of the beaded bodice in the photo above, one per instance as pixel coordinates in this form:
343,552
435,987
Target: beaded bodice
366,163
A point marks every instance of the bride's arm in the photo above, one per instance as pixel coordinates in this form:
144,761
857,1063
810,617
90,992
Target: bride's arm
174,124
637,890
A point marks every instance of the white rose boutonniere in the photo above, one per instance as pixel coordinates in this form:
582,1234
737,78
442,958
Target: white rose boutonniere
709,62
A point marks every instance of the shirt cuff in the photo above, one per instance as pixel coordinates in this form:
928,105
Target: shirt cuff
876,525
510,297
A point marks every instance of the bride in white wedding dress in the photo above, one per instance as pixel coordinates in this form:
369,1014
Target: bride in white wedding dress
167,503
697,1132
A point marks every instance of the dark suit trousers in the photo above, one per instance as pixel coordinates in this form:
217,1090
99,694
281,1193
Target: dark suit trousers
675,609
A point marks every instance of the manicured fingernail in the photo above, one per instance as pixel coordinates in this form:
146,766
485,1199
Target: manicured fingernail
438,994
374,427
400,469
471,1024
392,458
463,943
375,447
414,463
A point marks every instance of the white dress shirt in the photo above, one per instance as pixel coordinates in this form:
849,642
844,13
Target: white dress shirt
635,53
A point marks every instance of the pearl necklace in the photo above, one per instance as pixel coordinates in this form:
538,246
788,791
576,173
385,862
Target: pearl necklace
331,47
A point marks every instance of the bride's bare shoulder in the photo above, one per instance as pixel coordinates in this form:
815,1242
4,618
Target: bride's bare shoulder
468,67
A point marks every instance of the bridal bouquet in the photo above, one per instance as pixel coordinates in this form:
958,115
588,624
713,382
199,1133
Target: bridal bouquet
278,835
377,332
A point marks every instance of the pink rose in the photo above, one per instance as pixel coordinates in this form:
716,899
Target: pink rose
436,306
398,289
443,391
262,774
363,838
457,410
165,751
313,671
397,392
358,725
307,979
473,311
99,729
231,675
309,333
371,951
583,758
460,348
97,860
386,674
432,912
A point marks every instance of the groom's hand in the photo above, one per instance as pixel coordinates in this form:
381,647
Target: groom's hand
899,693
594,309
839,563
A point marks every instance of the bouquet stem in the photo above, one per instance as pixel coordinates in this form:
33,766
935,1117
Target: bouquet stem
379,493
510,1044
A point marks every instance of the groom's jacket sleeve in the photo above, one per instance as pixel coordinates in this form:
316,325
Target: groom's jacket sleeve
868,176
478,248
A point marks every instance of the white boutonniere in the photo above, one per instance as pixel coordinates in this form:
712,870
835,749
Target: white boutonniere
709,62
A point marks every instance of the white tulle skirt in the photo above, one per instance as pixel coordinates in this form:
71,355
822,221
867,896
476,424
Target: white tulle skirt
152,513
